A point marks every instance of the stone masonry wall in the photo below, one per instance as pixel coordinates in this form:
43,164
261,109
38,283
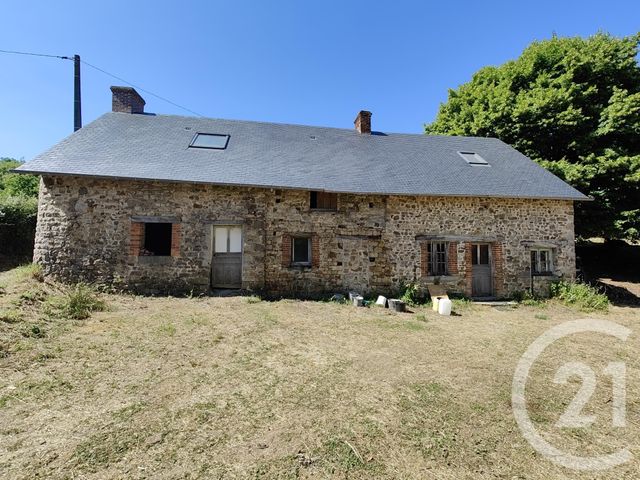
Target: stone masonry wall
370,244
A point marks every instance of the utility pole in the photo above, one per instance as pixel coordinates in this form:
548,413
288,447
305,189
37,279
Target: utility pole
77,101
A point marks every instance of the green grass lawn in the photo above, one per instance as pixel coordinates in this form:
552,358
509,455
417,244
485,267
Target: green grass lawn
242,388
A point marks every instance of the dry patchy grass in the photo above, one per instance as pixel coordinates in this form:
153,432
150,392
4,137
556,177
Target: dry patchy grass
242,388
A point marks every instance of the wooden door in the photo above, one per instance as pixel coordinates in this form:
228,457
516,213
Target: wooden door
226,265
481,270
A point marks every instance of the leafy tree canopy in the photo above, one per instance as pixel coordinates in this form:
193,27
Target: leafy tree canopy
573,105
16,185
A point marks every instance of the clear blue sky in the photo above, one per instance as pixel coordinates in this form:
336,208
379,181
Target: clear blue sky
294,61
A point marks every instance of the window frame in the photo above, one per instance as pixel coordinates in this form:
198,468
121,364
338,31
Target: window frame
332,201
476,254
196,135
432,247
306,263
473,158
536,264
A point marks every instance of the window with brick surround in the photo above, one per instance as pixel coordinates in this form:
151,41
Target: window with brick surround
155,239
437,253
541,261
323,201
301,251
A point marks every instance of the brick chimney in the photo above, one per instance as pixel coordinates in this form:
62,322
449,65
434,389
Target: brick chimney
126,100
363,122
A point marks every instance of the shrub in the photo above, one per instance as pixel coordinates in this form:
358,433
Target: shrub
17,224
410,294
78,302
581,295
526,298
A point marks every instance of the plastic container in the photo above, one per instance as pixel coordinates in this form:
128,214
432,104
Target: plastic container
358,301
444,306
397,305
382,300
436,301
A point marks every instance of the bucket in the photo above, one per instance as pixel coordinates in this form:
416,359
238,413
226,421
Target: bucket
382,300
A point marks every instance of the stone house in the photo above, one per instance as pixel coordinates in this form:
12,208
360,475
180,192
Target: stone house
159,203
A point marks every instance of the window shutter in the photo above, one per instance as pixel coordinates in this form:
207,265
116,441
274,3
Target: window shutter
315,251
452,258
175,239
136,237
323,200
424,259
286,250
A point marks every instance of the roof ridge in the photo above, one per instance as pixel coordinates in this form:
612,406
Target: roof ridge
285,124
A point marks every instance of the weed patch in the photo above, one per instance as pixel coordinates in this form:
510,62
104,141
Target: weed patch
580,295
77,303
33,331
10,316
411,295
106,448
168,329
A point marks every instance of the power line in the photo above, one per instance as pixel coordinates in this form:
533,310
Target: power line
36,54
106,73
141,89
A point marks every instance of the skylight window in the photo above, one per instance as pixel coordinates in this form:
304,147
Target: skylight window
473,158
210,140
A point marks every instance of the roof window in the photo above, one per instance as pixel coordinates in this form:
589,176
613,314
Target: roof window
209,140
473,158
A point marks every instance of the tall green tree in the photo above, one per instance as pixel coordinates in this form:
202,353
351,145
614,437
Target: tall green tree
14,184
573,105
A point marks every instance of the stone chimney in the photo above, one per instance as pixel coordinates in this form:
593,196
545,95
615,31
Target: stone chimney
126,100
363,122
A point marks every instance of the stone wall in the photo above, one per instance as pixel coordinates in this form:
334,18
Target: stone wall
370,244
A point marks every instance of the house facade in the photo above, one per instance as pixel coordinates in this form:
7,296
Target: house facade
174,204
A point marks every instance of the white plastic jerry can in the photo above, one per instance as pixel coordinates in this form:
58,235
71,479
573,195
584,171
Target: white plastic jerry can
444,306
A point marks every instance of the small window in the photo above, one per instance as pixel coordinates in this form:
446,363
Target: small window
480,254
541,261
227,239
323,201
437,258
157,239
301,251
473,158
209,140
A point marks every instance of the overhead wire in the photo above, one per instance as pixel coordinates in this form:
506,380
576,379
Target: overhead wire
64,57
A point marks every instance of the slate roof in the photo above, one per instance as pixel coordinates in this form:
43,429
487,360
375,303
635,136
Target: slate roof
156,147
